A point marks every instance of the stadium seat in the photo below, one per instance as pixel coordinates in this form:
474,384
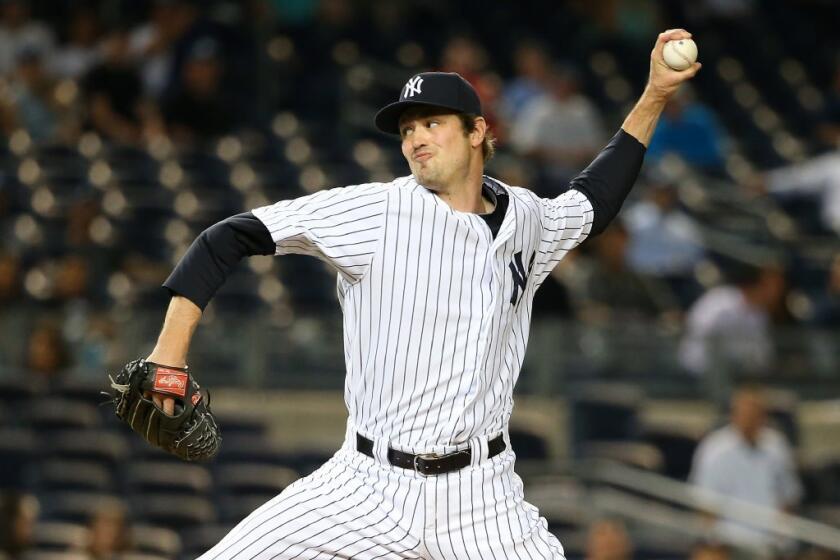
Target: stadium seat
198,540
173,512
604,412
68,475
56,555
236,423
243,479
169,478
143,556
101,446
53,414
234,508
251,449
676,448
15,392
147,539
19,449
60,536
528,445
84,390
634,454
76,507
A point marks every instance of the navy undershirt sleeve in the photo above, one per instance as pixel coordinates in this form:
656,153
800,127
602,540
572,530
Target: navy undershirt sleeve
608,179
211,258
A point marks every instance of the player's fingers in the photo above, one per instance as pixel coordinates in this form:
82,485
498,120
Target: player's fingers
169,406
669,35
691,71
158,400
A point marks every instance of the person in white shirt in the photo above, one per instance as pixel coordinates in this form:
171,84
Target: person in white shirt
748,461
729,326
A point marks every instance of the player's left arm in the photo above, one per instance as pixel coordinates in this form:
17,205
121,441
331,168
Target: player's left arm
607,181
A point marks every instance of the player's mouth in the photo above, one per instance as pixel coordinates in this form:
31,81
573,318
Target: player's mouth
422,156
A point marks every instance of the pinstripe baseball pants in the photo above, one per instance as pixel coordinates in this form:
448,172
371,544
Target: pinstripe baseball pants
358,507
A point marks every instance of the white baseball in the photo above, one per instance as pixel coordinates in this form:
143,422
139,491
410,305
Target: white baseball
680,54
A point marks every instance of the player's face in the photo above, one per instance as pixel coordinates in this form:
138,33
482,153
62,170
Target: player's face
435,146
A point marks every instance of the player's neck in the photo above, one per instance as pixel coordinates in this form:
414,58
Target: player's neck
465,195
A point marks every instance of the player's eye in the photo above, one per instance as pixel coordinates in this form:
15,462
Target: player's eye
406,130
433,123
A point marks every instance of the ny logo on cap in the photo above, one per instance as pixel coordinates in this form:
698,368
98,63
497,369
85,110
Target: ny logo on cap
413,86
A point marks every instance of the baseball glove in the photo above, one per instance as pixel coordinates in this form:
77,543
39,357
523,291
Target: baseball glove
191,433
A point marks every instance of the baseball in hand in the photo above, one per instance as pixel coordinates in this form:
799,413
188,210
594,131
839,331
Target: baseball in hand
680,53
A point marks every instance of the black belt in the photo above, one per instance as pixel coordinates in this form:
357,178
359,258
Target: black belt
430,463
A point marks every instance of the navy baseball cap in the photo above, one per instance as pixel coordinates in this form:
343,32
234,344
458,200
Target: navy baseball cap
446,90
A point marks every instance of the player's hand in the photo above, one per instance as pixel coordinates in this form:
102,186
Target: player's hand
664,80
163,402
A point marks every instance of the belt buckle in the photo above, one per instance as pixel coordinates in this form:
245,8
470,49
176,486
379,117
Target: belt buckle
424,457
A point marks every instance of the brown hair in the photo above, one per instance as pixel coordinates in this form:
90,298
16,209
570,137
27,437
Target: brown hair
488,146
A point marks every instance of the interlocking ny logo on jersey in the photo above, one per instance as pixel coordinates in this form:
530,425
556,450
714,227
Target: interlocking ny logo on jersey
413,86
519,275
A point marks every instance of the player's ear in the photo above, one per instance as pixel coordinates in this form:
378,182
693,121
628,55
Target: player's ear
478,132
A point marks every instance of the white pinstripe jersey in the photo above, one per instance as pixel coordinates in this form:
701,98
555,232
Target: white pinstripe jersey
436,319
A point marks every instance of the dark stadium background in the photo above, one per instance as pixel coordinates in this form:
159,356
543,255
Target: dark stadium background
129,126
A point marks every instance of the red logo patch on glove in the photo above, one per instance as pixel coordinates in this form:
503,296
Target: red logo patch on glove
171,381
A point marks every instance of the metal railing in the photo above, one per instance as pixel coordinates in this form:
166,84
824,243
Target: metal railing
655,500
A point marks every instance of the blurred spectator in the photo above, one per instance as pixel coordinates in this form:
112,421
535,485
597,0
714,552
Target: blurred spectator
561,130
109,532
10,277
467,57
818,178
689,129
608,540
18,32
72,278
749,461
199,111
729,326
81,50
827,307
115,103
665,241
30,103
605,290
631,22
532,65
828,127
18,515
47,354
294,13
152,45
710,551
